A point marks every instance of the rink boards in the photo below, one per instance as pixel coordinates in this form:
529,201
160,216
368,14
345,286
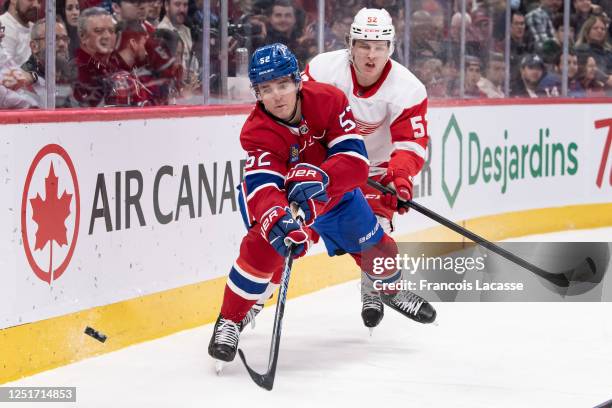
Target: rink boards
127,222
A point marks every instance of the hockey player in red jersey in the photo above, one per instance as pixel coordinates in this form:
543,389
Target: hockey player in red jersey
302,148
390,106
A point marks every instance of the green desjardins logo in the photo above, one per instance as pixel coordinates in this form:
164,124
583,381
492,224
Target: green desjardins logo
503,162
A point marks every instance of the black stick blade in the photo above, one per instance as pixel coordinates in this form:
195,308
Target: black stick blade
586,271
561,280
263,380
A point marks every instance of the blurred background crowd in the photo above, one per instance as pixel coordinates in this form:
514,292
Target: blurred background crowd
161,52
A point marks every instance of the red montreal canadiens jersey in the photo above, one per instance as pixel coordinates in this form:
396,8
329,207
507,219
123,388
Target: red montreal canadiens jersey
327,137
390,114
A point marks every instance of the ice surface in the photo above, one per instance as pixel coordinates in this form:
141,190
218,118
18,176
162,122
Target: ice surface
480,355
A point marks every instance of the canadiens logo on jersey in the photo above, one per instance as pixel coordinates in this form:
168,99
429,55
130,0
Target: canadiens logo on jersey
294,153
367,128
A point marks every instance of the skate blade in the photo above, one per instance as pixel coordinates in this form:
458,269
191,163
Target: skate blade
219,367
371,329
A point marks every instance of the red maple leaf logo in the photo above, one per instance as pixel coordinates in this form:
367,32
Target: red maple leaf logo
50,215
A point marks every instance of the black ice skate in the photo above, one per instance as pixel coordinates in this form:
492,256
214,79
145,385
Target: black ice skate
372,309
250,316
224,341
410,305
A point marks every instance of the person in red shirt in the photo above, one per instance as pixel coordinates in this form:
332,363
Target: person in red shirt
94,59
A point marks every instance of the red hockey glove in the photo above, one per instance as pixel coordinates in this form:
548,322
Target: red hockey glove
402,187
390,201
399,175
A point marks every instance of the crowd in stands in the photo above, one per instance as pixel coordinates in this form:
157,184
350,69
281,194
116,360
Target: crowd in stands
536,49
149,52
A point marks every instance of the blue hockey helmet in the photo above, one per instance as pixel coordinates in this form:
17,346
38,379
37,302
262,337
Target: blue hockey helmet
273,61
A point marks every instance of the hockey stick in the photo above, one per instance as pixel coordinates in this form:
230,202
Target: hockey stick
267,380
559,279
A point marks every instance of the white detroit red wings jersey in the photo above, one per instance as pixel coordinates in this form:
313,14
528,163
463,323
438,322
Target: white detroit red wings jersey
390,114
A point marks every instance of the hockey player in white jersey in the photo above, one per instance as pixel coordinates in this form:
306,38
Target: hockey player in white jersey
390,105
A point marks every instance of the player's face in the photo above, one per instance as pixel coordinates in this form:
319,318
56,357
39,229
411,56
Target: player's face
279,97
370,58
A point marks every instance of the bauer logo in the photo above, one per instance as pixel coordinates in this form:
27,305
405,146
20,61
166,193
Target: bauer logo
470,158
50,211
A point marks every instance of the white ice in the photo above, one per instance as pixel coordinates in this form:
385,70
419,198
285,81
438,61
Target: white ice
479,355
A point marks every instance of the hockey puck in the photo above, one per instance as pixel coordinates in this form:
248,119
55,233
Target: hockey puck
95,334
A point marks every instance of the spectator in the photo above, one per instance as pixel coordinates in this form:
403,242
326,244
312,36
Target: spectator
532,71
5,61
520,42
95,60
13,100
69,11
339,29
129,10
307,50
163,64
174,20
283,25
493,84
154,8
34,67
559,25
551,83
593,41
430,72
539,23
131,41
481,26
472,46
423,41
17,21
472,76
583,9
588,78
